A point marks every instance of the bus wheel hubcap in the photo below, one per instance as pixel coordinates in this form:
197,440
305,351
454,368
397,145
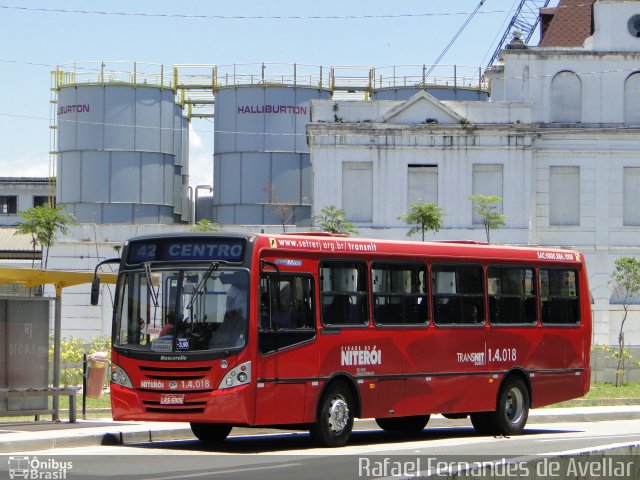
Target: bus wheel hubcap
514,405
338,415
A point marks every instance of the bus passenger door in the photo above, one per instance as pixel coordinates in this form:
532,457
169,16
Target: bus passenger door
287,357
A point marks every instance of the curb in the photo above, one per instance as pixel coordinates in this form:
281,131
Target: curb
162,435
95,439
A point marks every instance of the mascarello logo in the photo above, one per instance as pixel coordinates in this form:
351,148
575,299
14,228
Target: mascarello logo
35,468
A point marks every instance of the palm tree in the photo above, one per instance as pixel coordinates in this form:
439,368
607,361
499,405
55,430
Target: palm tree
334,220
424,216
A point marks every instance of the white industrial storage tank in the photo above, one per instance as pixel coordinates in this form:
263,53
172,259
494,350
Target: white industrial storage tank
444,82
122,146
261,157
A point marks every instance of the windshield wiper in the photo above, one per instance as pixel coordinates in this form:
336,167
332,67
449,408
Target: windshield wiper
212,268
152,291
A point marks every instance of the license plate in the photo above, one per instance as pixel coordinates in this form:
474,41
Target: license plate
170,399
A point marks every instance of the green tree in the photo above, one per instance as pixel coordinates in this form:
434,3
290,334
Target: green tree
487,207
625,281
424,217
334,220
205,226
42,224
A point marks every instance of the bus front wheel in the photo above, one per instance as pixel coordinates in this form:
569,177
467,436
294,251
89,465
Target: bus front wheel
211,432
481,422
411,425
335,417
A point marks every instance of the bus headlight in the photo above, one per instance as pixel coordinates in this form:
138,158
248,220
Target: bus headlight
240,375
120,377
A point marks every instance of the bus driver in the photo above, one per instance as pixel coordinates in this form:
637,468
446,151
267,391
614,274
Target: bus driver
230,333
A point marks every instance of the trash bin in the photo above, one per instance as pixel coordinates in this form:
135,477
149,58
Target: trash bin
95,374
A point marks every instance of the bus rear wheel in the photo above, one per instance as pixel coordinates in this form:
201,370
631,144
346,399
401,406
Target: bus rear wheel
511,416
335,417
211,432
513,408
411,425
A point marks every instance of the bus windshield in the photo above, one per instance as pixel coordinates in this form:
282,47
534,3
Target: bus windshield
182,309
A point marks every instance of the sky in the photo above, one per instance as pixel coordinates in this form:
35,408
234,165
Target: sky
36,38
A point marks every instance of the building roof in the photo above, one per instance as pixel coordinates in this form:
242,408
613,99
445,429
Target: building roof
571,24
27,180
16,246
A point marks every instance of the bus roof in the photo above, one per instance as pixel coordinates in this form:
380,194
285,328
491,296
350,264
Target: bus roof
457,248
340,244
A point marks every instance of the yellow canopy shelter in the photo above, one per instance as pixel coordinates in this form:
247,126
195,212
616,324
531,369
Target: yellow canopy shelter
59,279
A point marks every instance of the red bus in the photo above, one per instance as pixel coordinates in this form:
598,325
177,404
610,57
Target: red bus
314,330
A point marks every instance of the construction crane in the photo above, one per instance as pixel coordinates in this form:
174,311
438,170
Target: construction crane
525,19
455,37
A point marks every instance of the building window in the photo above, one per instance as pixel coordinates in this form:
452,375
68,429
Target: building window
43,201
357,191
632,99
631,196
487,180
566,98
422,185
8,205
564,196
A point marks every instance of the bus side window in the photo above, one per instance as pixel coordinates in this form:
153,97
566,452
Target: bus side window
399,294
286,311
458,294
512,295
559,299
343,293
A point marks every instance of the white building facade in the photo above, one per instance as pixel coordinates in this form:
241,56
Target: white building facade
20,193
559,142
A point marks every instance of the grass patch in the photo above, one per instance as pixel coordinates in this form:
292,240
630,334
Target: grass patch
609,390
601,394
92,403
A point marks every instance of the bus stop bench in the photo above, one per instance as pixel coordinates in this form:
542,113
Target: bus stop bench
23,392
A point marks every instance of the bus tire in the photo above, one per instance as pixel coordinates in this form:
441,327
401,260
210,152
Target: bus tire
211,432
335,417
481,422
513,408
411,425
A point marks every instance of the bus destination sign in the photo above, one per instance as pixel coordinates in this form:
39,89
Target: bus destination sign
221,249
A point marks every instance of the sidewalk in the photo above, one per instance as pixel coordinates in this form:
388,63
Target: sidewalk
33,436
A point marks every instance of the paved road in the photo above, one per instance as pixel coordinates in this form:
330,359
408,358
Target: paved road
293,456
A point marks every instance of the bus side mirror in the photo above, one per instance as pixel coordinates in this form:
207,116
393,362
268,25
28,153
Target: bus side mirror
95,290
